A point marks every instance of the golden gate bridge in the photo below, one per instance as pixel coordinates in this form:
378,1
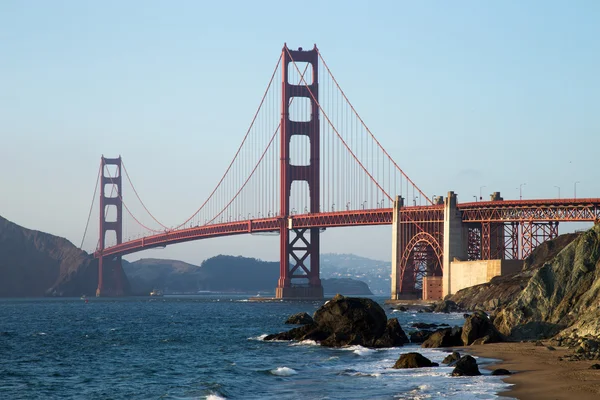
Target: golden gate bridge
308,162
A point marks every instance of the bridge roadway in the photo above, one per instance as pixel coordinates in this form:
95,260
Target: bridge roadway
555,210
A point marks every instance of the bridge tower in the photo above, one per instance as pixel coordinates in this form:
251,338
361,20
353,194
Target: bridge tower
110,270
299,248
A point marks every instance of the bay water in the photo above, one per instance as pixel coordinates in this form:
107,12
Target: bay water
205,347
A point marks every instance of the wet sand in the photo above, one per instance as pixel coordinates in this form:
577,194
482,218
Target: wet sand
538,372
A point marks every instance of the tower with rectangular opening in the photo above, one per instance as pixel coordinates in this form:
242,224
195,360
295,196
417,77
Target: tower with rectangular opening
299,248
110,270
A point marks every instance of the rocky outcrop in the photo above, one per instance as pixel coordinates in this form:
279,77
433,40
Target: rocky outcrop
450,358
34,263
420,336
501,290
345,321
446,306
446,337
413,360
479,328
563,293
300,318
466,366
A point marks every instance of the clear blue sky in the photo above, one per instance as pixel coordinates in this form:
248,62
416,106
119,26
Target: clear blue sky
462,94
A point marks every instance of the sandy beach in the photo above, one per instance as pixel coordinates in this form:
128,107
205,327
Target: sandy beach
538,372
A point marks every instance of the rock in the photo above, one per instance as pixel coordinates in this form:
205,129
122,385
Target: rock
345,321
477,326
392,336
300,318
491,304
550,348
482,340
423,325
595,366
413,360
562,294
466,366
419,336
402,308
450,358
501,371
446,306
446,337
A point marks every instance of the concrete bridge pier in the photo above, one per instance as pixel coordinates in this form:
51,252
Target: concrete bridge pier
455,239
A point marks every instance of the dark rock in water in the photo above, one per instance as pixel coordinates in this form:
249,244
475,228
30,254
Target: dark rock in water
413,360
446,337
501,371
392,336
479,326
446,306
300,318
401,308
419,336
423,325
595,366
345,321
466,366
450,358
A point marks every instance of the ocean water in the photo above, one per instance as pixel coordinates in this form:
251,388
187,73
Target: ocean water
203,347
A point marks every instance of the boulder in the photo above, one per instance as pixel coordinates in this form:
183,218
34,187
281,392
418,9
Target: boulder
300,318
423,325
466,366
392,336
446,337
419,336
446,306
345,321
413,360
501,371
478,325
450,358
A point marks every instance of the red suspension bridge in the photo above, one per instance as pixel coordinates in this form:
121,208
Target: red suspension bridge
309,162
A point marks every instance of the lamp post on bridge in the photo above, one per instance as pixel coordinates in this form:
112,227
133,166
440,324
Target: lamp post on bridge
348,206
558,187
475,197
575,189
521,190
364,203
480,195
415,200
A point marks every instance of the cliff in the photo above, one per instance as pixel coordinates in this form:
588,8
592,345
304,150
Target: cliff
563,293
34,263
502,290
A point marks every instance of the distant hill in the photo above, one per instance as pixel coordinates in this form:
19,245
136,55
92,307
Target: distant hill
34,263
375,273
220,274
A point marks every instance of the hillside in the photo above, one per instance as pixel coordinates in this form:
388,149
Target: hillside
34,263
219,274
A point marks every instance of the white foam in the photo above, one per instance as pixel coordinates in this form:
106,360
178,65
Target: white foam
361,351
283,371
213,396
305,343
259,337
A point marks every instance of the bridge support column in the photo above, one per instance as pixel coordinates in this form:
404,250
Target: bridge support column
397,246
299,248
455,239
110,271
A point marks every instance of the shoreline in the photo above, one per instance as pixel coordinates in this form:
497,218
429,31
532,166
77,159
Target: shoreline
537,372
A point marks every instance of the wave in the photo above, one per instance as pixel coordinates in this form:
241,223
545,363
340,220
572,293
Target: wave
305,343
283,371
259,337
213,396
